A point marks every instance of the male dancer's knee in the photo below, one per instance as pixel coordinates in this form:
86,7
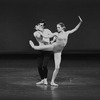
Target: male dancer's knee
45,71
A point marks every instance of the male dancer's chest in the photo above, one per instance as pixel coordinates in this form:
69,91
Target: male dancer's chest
44,41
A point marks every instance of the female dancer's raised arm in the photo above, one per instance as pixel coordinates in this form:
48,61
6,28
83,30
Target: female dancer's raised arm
75,29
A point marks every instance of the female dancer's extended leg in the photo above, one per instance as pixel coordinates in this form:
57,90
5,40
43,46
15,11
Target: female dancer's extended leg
42,47
57,59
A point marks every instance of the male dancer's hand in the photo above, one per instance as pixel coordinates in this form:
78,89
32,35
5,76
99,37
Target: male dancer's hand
54,38
37,35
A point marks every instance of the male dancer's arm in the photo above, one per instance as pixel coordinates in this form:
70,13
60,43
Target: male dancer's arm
54,38
48,35
39,38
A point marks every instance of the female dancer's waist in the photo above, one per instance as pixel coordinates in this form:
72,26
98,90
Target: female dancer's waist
61,43
58,47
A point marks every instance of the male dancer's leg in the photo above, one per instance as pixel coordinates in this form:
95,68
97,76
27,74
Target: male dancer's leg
40,67
45,65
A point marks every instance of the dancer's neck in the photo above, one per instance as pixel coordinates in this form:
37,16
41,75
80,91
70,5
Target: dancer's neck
61,31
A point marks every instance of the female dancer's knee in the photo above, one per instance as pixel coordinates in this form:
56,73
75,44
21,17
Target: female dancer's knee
57,67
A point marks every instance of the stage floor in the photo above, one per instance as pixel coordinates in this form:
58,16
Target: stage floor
78,79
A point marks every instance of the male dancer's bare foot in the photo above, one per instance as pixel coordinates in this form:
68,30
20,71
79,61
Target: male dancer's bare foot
40,83
53,84
31,43
45,82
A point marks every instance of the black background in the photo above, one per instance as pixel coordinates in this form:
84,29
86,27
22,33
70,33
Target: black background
18,18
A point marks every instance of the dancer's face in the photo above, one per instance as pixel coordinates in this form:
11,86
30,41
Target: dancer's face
37,27
59,28
41,26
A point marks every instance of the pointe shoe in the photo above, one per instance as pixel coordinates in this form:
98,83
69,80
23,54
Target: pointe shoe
53,84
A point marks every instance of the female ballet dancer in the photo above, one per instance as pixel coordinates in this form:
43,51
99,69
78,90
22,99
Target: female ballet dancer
57,47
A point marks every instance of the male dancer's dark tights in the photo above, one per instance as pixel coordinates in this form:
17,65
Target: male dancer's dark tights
43,61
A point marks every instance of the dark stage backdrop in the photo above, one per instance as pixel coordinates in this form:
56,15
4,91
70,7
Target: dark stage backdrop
18,18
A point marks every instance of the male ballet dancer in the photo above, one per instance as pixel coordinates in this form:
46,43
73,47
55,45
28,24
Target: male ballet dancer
44,56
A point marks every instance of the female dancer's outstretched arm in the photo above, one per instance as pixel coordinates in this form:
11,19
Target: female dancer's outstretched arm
73,30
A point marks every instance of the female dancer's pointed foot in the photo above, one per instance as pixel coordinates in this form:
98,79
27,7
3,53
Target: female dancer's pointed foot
53,84
31,43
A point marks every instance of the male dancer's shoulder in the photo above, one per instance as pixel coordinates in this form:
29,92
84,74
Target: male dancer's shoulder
36,34
47,31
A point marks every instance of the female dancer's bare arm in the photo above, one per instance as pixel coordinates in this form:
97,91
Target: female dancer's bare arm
73,30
